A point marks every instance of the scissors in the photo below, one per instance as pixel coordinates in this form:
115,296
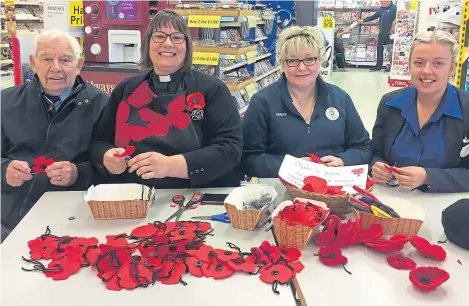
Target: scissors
180,199
220,218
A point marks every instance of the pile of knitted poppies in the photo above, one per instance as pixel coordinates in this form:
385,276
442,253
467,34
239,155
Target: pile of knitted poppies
337,235
159,252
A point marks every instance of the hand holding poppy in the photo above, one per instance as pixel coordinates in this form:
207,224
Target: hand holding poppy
380,173
17,173
332,161
62,173
115,164
411,177
155,165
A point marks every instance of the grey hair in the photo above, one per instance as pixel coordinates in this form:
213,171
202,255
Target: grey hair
294,39
440,37
166,18
54,34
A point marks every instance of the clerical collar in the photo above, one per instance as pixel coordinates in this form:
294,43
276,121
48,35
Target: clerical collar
173,77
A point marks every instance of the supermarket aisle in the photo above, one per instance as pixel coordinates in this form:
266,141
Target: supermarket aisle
366,89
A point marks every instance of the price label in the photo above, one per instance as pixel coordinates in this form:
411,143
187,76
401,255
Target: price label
251,56
228,56
414,5
327,22
199,21
205,58
252,21
251,89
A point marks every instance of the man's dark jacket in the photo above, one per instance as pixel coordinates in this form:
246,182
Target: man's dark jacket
30,131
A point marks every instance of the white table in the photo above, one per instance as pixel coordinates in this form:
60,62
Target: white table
21,288
374,282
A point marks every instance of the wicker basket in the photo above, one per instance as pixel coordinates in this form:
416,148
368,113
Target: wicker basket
103,209
244,219
338,204
294,236
406,225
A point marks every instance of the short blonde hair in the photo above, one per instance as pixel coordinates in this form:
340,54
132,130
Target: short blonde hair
54,34
440,37
294,39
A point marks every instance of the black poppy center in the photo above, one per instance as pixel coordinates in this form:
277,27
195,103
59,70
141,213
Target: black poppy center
172,248
336,231
145,262
401,259
196,101
238,261
228,253
44,247
275,272
219,267
198,263
425,280
283,251
212,254
182,232
331,256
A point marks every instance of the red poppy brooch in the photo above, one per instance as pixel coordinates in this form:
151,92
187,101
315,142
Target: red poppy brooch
196,104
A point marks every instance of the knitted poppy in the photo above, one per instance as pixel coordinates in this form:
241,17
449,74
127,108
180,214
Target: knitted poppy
315,158
111,259
270,253
374,232
195,266
174,248
297,267
181,233
205,253
330,231
275,273
225,255
290,254
144,231
129,150
428,278
84,242
315,184
171,272
217,269
117,241
247,264
41,163
369,183
331,256
112,283
90,256
62,269
427,249
43,248
384,246
195,101
400,262
400,239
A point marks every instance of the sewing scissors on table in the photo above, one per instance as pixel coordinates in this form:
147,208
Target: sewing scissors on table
180,199
220,218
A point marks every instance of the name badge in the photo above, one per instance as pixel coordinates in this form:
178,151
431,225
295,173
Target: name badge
332,113
464,151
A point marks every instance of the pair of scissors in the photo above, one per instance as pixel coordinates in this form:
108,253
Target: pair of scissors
180,199
220,218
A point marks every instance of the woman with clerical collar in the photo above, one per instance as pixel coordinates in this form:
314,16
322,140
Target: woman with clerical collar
183,124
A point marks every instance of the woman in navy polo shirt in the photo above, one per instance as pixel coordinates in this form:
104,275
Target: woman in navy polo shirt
301,113
420,137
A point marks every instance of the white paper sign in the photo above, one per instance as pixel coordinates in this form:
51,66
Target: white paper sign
295,170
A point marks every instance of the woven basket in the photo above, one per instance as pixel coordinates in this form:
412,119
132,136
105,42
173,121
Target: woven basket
244,219
391,226
338,204
108,210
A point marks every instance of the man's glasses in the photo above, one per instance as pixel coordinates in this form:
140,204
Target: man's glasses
310,61
176,37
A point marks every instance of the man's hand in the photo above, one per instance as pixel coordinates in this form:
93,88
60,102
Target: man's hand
380,173
332,161
411,177
62,173
360,21
151,165
17,173
114,164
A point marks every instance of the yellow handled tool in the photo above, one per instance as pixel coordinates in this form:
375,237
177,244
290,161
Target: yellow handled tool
378,212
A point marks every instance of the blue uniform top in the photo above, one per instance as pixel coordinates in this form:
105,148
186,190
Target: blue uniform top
423,147
273,127
386,17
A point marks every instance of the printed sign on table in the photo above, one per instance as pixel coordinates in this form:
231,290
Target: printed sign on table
295,170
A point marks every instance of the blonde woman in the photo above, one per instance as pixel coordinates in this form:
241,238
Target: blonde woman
300,113
421,134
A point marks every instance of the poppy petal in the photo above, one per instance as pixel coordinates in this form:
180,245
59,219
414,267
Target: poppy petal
400,262
384,246
374,232
428,278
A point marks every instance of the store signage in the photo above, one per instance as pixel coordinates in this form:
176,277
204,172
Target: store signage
251,56
252,21
328,22
205,58
76,14
251,89
56,15
105,81
199,21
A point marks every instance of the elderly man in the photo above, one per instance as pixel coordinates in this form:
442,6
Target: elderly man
47,125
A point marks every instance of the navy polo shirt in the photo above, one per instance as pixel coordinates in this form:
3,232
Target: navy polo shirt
423,147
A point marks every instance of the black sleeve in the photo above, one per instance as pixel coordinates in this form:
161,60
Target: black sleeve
256,161
5,161
377,139
374,16
103,136
223,138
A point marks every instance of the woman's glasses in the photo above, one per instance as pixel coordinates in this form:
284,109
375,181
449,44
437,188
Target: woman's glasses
176,37
310,61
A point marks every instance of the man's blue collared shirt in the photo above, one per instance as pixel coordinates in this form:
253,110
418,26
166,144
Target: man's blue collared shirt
423,147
